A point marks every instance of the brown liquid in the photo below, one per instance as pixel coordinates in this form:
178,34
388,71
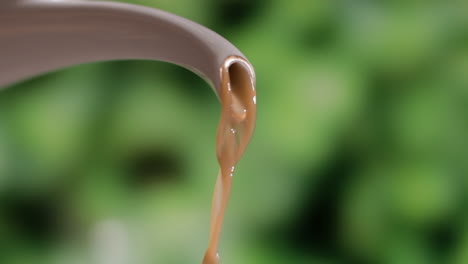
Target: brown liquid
238,116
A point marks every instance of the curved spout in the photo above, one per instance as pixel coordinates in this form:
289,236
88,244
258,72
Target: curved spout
37,36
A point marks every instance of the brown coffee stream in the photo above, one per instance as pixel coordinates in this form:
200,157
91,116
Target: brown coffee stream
238,116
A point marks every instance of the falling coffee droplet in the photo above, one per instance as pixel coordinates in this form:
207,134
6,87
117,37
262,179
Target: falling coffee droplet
237,124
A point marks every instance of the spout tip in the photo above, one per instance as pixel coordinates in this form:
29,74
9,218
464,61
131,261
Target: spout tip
243,62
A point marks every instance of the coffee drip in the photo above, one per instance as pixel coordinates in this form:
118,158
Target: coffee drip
238,116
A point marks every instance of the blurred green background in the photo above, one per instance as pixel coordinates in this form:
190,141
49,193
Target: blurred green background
360,153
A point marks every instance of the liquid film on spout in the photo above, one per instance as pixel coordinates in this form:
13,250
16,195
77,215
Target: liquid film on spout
236,126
